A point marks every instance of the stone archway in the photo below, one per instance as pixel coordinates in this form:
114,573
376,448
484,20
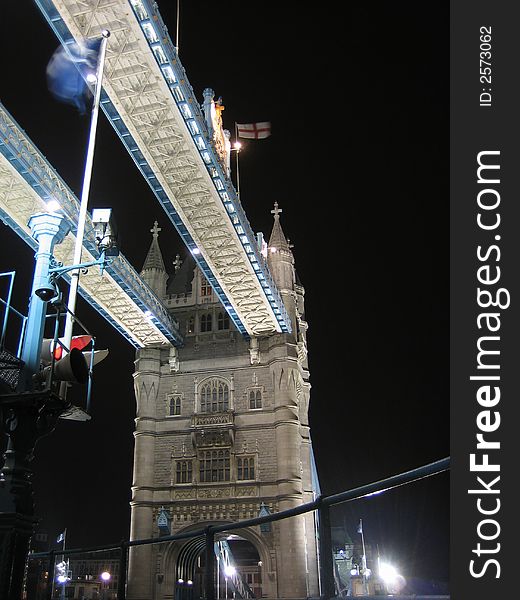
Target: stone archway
184,565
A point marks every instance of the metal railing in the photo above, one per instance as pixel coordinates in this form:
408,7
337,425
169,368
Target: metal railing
321,504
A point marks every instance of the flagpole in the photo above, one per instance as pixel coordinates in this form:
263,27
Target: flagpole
63,560
74,280
177,43
364,556
237,150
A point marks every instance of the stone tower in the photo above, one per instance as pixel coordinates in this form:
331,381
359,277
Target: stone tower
222,433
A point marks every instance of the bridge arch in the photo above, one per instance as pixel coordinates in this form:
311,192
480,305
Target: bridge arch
183,563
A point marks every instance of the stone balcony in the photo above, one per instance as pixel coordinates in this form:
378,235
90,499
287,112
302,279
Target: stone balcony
213,429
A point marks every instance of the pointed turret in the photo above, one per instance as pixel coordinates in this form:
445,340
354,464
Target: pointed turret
154,271
280,256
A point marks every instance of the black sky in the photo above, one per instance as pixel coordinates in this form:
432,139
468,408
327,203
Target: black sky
358,161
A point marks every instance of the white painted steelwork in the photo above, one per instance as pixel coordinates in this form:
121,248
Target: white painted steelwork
150,103
27,183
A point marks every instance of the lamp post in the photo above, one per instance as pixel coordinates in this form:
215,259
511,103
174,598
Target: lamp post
105,578
236,148
26,415
229,571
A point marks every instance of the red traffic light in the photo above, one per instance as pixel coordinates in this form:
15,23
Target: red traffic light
78,342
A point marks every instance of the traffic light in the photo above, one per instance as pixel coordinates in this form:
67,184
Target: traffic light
58,366
72,367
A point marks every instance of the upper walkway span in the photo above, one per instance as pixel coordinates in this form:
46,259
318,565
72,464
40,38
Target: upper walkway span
27,183
148,100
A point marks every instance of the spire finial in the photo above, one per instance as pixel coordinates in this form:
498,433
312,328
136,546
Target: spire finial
276,212
177,263
155,230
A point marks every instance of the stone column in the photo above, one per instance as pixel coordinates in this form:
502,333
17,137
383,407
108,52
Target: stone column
291,563
146,384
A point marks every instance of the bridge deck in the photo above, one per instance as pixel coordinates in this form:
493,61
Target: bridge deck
27,183
150,103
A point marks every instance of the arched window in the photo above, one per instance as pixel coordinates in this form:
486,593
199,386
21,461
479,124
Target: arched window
214,466
175,406
255,399
245,468
214,396
205,323
223,321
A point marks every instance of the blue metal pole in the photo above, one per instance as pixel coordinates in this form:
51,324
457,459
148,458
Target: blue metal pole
48,229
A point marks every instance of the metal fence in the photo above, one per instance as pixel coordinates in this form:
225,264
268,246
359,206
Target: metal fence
117,554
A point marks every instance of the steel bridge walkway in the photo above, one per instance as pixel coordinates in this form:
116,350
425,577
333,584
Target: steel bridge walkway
148,100
27,183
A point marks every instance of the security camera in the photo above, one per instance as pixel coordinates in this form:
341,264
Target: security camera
46,292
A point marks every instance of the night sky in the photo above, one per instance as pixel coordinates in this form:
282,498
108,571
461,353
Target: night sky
358,161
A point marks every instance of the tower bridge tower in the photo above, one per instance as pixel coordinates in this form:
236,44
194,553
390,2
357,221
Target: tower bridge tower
221,432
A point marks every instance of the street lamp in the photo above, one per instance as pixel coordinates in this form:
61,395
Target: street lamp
236,148
393,580
105,578
229,571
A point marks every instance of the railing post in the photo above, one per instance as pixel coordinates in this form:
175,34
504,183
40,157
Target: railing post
121,582
210,564
50,577
325,552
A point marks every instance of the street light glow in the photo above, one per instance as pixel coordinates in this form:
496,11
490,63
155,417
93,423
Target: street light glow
229,570
105,576
53,205
388,573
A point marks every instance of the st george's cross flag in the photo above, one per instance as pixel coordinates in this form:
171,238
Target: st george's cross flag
254,131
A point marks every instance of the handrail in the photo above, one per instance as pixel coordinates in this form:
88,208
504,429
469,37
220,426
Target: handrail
347,496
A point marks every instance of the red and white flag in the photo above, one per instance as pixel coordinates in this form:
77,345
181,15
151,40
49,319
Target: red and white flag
254,131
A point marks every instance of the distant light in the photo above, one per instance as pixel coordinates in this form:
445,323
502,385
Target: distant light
53,205
195,251
374,493
61,578
180,580
237,145
189,582
388,573
229,571
105,576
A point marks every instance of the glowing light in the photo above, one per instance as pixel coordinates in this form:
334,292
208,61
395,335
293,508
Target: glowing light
180,580
237,145
388,573
61,578
195,251
105,576
53,205
189,582
229,571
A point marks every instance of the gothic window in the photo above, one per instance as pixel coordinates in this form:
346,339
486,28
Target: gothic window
205,288
223,321
214,466
255,399
214,397
183,471
205,323
174,406
245,468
